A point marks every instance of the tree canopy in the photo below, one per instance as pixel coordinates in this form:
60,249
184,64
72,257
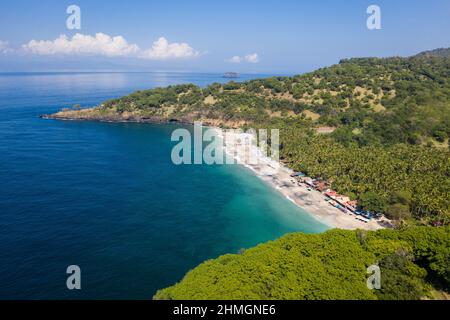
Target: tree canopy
332,265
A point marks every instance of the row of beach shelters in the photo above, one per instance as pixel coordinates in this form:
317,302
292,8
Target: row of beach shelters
342,200
314,183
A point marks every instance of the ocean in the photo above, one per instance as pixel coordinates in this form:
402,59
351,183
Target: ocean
107,198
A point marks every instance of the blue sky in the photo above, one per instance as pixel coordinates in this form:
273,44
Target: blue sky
264,36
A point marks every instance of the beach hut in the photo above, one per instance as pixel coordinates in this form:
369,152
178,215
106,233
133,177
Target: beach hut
352,205
321,186
331,193
342,199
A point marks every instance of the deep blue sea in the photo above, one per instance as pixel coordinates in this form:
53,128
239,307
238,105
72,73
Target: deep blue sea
106,196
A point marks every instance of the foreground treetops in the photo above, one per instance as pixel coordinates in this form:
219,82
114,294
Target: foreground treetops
332,265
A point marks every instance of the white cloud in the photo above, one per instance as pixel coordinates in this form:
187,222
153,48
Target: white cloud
79,44
163,50
252,58
234,59
104,45
4,47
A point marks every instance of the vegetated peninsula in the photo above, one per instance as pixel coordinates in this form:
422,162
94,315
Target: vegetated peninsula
374,129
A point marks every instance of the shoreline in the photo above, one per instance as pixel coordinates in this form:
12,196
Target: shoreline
311,201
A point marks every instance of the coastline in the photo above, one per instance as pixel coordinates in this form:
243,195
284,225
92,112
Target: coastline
278,176
310,200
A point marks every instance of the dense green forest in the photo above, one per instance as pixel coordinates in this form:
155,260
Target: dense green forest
404,181
377,128
332,265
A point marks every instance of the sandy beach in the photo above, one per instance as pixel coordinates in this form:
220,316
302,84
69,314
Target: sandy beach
279,177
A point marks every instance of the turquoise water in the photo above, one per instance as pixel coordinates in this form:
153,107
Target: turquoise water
106,197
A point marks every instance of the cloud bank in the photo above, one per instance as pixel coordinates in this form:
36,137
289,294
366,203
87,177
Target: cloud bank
163,50
235,59
104,45
4,47
79,44
250,58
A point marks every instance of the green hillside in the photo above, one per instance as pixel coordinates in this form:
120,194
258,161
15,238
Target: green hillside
391,100
394,100
332,265
441,52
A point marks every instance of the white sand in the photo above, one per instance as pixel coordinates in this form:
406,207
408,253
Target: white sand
278,176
